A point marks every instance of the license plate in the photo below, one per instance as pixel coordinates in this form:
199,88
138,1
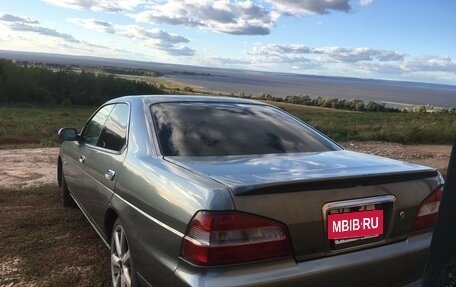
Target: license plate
362,225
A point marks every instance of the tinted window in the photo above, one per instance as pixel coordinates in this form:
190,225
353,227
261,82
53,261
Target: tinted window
215,129
114,133
93,128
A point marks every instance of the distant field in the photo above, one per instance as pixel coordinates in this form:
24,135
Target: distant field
38,126
407,128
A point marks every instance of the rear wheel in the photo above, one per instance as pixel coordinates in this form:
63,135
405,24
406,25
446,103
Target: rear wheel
122,272
67,200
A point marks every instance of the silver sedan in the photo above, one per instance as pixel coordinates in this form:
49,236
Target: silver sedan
210,191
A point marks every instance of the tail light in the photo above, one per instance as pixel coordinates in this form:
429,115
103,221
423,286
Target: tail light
217,238
429,208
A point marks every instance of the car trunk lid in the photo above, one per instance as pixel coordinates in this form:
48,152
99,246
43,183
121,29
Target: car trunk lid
303,190
245,175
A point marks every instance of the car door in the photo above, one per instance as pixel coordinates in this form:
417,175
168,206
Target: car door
73,156
103,163
78,151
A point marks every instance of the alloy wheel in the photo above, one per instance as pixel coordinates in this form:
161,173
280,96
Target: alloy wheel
120,259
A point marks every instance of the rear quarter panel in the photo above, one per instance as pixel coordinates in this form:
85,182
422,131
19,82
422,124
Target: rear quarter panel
155,200
155,204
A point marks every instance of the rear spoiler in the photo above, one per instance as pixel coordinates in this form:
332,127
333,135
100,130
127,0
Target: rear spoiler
334,183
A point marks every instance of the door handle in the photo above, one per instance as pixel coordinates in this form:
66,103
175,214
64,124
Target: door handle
82,159
110,174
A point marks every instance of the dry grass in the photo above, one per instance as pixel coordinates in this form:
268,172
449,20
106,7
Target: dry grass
44,244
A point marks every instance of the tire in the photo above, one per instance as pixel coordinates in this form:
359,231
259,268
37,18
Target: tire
122,271
67,200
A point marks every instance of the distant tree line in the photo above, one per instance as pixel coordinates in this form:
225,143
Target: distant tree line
333,103
131,71
343,104
39,85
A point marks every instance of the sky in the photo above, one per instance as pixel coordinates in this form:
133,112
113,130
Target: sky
389,39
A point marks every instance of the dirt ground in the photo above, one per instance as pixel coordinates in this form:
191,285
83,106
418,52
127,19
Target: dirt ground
29,168
436,156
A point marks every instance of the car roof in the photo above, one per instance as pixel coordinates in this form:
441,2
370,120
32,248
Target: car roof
154,99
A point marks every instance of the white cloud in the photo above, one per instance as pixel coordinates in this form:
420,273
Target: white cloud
24,27
365,2
276,57
356,62
133,31
223,61
157,39
438,69
14,18
233,17
426,64
237,17
26,24
380,67
302,53
18,32
93,24
98,5
179,51
296,7
152,38
354,55
277,49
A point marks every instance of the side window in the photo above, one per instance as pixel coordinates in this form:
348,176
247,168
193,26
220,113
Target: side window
93,128
114,133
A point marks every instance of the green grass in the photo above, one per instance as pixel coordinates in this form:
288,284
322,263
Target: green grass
37,126
407,128
54,246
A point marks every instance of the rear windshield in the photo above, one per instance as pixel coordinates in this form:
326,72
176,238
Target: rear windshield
219,129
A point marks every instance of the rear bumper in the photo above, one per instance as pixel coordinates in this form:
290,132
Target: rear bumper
389,265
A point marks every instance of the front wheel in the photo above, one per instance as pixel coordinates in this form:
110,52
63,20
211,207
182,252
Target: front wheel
122,271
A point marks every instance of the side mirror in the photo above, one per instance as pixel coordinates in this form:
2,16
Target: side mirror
68,134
